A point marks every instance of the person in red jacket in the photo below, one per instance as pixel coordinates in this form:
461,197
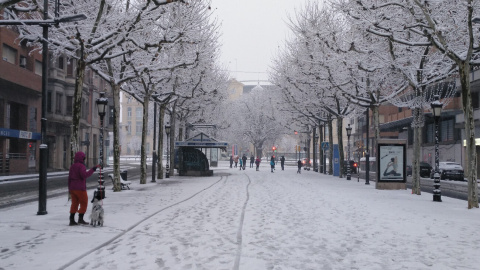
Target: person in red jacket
77,187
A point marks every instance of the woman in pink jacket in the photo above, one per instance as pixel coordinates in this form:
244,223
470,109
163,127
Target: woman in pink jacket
77,187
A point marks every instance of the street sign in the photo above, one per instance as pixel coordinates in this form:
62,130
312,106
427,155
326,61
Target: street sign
325,145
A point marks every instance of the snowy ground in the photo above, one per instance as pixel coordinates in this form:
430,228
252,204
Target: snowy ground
248,220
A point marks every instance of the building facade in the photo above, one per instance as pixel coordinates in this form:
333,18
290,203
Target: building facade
20,109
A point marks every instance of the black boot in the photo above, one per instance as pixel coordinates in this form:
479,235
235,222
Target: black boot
72,220
80,220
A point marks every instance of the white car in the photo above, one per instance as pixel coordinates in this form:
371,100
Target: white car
450,170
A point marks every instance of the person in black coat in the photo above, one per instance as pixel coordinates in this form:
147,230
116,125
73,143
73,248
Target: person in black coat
299,166
252,160
282,162
244,159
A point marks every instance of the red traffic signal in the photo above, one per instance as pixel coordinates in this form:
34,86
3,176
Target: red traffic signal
355,164
29,145
273,148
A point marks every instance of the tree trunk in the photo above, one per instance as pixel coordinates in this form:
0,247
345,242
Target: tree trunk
470,151
320,157
77,108
330,143
418,121
143,152
161,133
340,145
172,139
116,136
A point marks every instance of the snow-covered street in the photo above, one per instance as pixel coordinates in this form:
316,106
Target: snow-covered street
248,220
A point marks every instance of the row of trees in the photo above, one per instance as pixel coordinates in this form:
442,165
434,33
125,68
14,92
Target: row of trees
351,55
154,50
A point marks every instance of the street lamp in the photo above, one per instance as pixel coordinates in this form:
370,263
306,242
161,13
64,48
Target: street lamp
437,111
167,167
102,103
349,132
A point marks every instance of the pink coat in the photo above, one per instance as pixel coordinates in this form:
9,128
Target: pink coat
78,174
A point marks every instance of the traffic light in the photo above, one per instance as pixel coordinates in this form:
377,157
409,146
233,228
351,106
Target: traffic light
274,148
30,145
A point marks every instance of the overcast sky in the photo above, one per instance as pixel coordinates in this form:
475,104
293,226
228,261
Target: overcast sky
252,31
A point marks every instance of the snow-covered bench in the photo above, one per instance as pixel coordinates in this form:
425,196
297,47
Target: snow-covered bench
125,184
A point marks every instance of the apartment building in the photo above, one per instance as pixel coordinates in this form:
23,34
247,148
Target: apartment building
20,108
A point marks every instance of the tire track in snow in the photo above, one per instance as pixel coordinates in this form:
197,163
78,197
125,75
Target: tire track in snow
145,219
240,227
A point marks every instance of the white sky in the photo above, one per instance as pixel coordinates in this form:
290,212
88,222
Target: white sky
252,32
245,220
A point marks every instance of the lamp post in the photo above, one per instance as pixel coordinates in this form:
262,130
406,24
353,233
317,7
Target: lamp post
349,132
167,167
102,103
437,110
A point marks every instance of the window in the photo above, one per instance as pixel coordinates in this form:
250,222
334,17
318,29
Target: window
129,113
129,128
7,117
69,106
9,54
138,127
38,67
138,113
32,119
58,103
84,109
475,100
23,61
446,130
147,147
60,63
70,67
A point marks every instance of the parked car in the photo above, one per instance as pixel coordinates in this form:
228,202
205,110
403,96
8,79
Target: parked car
425,169
450,170
353,166
306,164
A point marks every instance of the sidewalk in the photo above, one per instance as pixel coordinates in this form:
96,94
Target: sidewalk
243,219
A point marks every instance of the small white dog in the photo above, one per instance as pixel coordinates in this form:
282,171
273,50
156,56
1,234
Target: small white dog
96,218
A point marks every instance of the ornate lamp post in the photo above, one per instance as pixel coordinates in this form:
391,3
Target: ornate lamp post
167,167
102,103
349,132
437,111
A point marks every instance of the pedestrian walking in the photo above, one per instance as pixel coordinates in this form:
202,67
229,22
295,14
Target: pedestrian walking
244,159
77,187
299,166
231,161
257,162
282,162
272,163
241,164
236,161
252,160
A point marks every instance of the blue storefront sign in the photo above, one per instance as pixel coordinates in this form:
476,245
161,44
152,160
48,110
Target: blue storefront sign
336,160
13,133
